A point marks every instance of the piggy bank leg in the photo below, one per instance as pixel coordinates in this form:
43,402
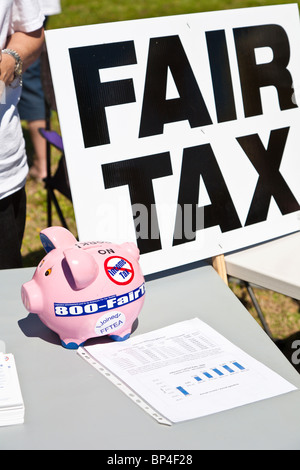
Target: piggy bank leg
122,336
71,344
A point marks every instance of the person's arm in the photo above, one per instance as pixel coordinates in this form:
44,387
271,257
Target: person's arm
27,45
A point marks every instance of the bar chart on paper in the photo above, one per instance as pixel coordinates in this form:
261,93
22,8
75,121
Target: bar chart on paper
215,373
193,385
188,370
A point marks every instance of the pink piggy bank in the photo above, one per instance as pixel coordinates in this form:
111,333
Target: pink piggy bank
84,290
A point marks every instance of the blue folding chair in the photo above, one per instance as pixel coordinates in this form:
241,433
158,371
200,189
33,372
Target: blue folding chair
59,180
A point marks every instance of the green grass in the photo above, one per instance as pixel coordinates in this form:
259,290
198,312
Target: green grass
77,12
282,313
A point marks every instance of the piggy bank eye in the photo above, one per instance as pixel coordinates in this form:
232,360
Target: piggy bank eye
48,272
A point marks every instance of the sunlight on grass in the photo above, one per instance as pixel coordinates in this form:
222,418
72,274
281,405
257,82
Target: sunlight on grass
76,12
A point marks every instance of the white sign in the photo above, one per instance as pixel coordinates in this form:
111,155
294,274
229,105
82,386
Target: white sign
182,133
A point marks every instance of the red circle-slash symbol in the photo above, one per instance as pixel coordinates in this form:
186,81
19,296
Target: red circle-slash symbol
119,270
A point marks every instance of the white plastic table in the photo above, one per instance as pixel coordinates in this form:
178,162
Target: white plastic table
69,405
274,265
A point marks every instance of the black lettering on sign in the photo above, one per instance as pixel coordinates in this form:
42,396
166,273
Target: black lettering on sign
270,182
254,76
138,174
93,96
221,75
198,161
167,53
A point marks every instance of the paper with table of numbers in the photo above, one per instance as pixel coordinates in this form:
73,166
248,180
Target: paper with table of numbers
185,371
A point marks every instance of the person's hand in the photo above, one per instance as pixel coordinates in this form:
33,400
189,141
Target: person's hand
7,68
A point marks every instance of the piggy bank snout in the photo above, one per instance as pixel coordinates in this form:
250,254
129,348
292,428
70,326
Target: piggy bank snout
32,297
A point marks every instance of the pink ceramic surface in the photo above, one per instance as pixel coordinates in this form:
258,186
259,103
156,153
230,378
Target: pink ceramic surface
82,290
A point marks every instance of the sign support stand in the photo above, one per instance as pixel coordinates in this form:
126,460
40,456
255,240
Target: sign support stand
218,263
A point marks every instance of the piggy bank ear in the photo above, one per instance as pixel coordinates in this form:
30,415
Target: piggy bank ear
56,237
82,265
132,249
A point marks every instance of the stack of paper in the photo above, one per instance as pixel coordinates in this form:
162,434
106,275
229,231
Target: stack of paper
11,401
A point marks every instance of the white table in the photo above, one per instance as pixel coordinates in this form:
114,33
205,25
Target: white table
274,265
69,405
